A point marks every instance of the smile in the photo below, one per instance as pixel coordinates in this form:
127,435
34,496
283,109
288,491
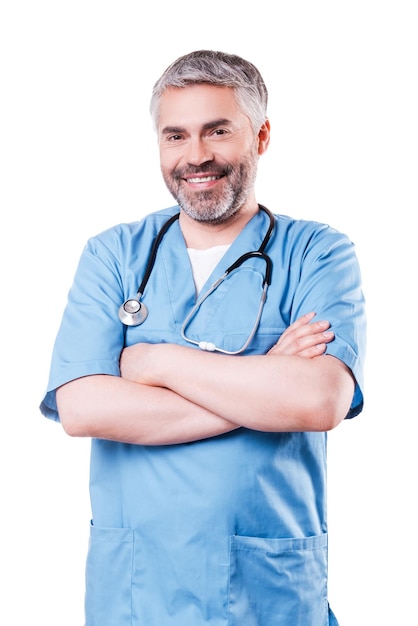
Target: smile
202,179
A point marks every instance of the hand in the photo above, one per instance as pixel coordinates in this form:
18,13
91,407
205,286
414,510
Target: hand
303,338
134,362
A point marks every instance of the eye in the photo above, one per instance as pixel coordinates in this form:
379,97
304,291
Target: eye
174,137
218,132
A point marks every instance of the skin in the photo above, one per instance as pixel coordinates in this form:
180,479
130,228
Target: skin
192,155
172,394
203,132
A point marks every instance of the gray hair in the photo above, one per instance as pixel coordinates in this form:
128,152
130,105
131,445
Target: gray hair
219,69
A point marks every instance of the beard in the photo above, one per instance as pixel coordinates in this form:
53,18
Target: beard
214,206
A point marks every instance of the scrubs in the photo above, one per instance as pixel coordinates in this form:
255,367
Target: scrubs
231,530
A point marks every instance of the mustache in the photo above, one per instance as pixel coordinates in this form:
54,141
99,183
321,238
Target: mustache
207,167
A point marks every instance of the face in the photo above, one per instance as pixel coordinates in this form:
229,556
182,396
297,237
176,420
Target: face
208,151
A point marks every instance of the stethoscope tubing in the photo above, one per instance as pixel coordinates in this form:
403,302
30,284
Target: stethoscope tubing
134,312
209,346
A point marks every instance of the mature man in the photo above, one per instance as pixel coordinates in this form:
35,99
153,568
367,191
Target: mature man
208,393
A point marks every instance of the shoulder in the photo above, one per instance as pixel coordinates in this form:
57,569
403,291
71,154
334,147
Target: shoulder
305,235
126,233
288,223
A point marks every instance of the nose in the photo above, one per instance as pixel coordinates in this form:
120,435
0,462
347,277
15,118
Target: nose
198,151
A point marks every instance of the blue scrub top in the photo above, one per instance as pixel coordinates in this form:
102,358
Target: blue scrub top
231,530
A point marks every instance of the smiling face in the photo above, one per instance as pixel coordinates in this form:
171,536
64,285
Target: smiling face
208,151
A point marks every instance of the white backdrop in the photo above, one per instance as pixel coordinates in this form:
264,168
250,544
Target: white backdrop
78,154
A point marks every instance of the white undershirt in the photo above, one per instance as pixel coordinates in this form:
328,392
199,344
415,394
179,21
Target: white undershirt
203,263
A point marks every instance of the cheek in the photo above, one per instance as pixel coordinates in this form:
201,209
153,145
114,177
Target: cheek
235,151
169,159
167,176
167,169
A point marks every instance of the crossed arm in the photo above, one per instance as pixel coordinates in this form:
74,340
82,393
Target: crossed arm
173,394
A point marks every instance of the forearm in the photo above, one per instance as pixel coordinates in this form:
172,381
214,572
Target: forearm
109,407
266,392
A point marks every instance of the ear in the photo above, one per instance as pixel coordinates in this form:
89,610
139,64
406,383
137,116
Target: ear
263,137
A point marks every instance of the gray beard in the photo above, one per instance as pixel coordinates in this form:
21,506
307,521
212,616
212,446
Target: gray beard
208,206
205,210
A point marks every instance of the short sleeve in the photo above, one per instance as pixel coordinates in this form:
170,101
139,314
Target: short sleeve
90,337
330,284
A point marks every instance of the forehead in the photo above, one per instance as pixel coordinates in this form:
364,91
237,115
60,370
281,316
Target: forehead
198,105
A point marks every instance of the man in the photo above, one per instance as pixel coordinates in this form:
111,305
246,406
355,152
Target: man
208,406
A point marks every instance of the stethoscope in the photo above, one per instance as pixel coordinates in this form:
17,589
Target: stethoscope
133,311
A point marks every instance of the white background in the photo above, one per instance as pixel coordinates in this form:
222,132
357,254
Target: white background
78,154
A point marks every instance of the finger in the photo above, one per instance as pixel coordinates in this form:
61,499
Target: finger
301,321
314,351
301,328
293,344
314,339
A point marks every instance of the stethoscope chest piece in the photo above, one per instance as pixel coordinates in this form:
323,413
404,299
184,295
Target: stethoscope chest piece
133,312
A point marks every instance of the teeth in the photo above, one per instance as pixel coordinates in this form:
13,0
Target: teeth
203,179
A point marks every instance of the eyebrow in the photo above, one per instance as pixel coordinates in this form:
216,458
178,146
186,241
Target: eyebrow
223,121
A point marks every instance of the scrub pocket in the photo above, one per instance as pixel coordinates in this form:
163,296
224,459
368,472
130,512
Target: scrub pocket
278,582
109,577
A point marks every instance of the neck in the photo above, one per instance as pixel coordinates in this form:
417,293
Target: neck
201,235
